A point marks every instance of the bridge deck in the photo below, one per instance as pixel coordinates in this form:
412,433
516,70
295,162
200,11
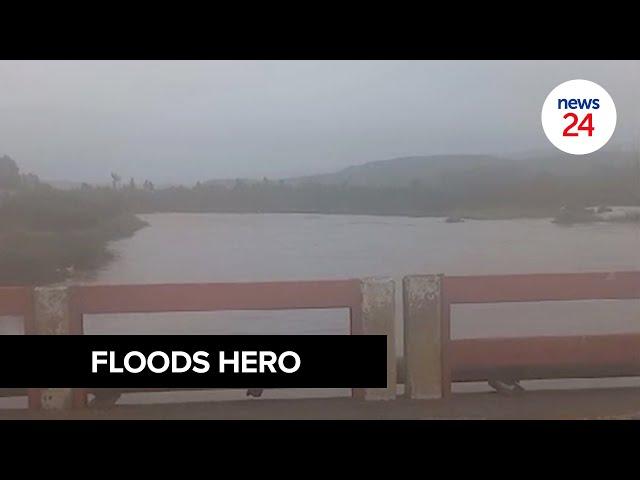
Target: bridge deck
610,403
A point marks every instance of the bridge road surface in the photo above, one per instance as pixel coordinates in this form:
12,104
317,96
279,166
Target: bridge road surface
609,403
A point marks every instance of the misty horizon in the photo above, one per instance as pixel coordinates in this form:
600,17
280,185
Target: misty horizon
182,122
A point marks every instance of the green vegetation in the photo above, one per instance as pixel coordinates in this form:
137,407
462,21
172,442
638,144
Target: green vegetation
47,235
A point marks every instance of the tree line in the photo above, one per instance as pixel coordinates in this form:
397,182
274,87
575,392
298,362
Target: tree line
489,194
534,195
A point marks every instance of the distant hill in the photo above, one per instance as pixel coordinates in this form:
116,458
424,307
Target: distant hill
432,170
403,171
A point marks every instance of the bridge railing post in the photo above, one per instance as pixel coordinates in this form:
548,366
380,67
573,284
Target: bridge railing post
52,316
423,328
377,317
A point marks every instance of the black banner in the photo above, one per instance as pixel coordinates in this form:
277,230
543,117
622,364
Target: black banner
189,361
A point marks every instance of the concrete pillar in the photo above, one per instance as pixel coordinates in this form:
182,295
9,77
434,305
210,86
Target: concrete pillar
378,318
423,325
53,317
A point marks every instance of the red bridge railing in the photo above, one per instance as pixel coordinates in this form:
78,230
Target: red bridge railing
432,361
209,297
18,301
538,357
61,310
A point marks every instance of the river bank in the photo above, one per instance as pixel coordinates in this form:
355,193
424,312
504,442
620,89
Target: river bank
47,236
42,257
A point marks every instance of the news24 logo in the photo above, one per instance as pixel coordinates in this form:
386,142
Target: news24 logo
579,117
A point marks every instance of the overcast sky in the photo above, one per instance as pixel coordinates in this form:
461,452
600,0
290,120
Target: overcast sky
182,121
